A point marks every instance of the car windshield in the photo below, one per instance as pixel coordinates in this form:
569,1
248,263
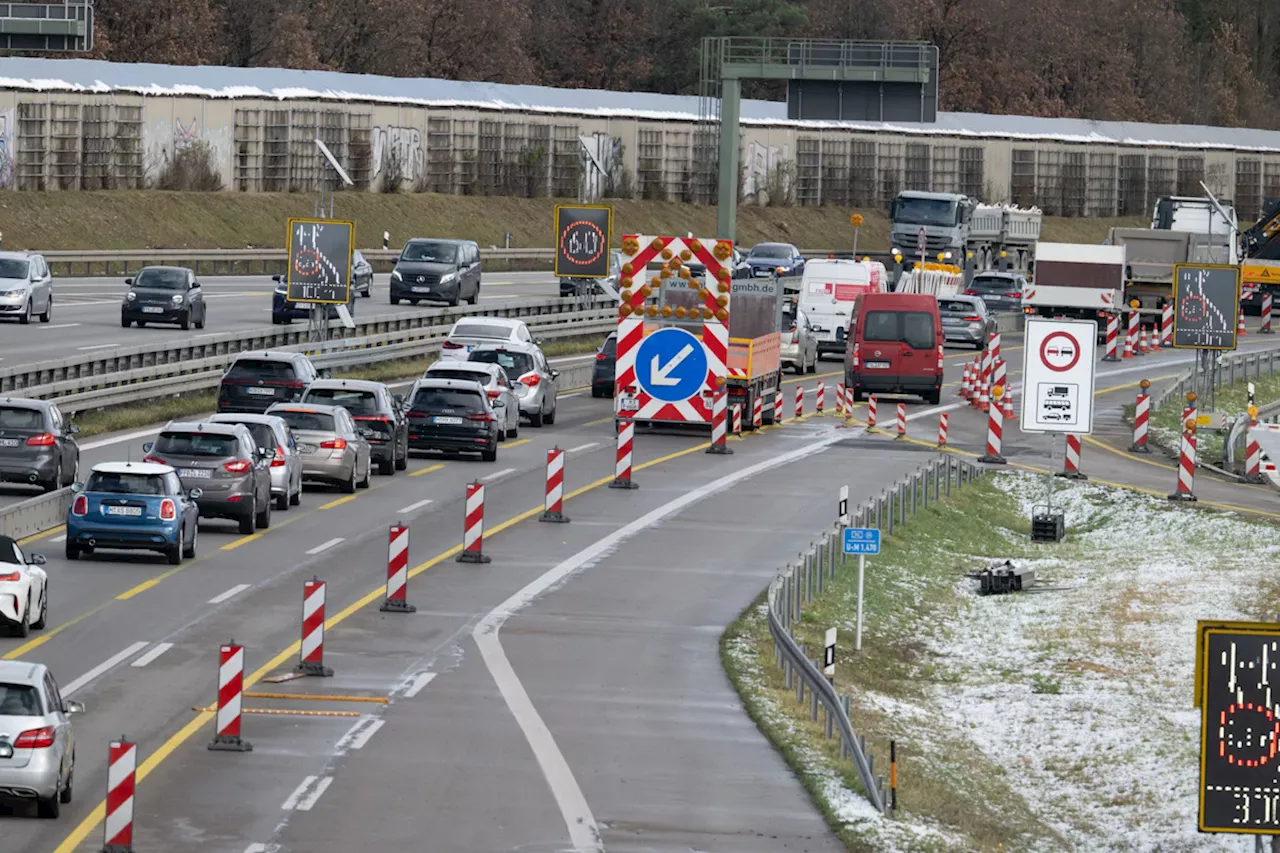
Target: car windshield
514,364
435,399
465,375
610,347
429,252
162,279
253,368
10,552
772,251
18,417
355,402
13,268
913,328
197,444
312,421
924,211
994,285
482,330
956,306
19,700
125,484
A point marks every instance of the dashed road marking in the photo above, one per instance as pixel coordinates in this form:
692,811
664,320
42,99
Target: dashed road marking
404,510
325,546
359,734
419,681
156,651
107,664
582,447
496,474
231,593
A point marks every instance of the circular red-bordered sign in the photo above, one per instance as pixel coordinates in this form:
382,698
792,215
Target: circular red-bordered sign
582,242
1059,357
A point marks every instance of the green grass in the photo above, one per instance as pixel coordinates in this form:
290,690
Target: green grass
1232,400
147,219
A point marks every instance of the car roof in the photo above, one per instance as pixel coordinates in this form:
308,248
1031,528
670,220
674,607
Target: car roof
897,301
459,384
314,408
167,267
26,403
996,274
269,355
244,418
210,427
472,366
506,322
21,672
773,243
452,240
507,346
350,384
146,468
16,256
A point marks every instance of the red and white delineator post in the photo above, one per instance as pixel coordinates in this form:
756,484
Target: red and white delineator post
622,470
902,420
737,419
1113,335
311,656
554,508
122,766
1252,454
799,402
473,526
1166,325
820,398
1141,420
226,725
398,571
848,401
840,399
1265,328
1071,464
1186,461
778,402
871,412
757,413
993,344
995,429
719,425
942,429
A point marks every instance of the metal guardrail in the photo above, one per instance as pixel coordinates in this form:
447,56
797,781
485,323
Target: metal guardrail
804,580
36,515
1231,367
1233,447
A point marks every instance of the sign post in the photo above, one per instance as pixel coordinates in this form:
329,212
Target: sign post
861,541
922,245
856,221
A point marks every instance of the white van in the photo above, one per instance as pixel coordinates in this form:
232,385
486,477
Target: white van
828,288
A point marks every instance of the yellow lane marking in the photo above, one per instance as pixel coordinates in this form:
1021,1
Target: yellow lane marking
427,470
46,636
340,501
36,537
510,444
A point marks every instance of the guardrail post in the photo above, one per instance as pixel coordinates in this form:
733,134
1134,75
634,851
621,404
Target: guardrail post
915,493
813,706
787,672
902,502
800,677
822,564
786,596
937,477
836,548
797,600
844,747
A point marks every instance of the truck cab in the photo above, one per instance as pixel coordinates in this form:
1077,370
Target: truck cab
945,218
1200,216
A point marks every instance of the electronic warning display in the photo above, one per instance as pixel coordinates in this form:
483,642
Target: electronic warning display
1206,306
583,234
320,253
1239,669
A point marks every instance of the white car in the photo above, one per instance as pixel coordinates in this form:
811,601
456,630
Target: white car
502,395
24,589
471,332
26,287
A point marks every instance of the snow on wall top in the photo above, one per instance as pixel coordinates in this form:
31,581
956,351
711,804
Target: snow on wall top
90,75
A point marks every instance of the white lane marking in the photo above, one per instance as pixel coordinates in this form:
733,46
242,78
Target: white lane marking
119,439
231,593
325,546
59,538
570,394
415,506
359,734
305,804
583,832
256,848
419,681
61,326
107,664
292,802
156,651
582,447
97,346
496,474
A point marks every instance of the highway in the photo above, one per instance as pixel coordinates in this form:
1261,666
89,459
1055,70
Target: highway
86,314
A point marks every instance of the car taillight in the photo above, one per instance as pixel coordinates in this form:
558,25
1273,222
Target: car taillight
450,345
1013,294
494,393
11,576
155,460
80,506
483,417
278,459
336,444
239,466
601,356
168,511
972,319
531,379
45,439
971,293
41,738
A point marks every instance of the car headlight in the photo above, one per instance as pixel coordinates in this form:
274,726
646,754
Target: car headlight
448,277
396,275
177,299
131,296
15,292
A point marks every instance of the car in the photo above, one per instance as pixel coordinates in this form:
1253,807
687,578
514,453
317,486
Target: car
602,371
437,271
24,590
502,395
374,407
766,259
286,463
26,287
895,346
569,286
361,274
134,506
225,463
37,740
737,264
530,375
1001,291
799,342
284,312
259,379
471,332
164,295
452,415
37,444
966,320
335,452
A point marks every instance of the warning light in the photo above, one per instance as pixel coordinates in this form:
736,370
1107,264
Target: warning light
1191,396
625,310
656,244
704,294
1004,254
666,273
685,255
666,254
722,274
1146,383
1133,303
666,310
626,296
856,220
630,246
941,257
685,274
1190,424
626,281
724,287
720,381
680,312
1253,413
722,251
779,271
722,315
646,291
998,391
655,282
722,300
628,269
653,310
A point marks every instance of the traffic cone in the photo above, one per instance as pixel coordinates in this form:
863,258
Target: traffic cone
1007,401
1241,330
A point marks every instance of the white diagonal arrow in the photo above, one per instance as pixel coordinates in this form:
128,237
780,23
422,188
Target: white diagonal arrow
661,374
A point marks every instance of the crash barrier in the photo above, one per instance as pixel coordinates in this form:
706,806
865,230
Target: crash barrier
226,723
37,515
626,438
1235,448
1071,462
806,579
1231,369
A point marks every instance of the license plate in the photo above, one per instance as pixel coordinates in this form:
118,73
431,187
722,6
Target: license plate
8,442
877,365
6,751
262,392
629,404
421,290
951,321
152,309
444,420
124,510
195,473
306,448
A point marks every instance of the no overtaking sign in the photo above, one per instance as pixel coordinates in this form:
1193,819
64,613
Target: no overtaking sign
1058,376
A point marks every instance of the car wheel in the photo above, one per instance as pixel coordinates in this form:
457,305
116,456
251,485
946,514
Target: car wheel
44,609
174,552
934,397
395,300
502,434
489,455
514,432
249,522
142,324
551,415
596,392
23,628
350,486
185,323
413,301
47,314
535,420
200,322
125,322
64,796
453,303
25,317
264,515
386,467
402,462
190,550
49,809
368,471
475,297
296,498
282,501
72,552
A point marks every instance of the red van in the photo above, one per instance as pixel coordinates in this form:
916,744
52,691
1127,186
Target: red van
895,346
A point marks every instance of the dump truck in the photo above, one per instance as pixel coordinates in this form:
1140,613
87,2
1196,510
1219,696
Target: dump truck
1150,255
1003,236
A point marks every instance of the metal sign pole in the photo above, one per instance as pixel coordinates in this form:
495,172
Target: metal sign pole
862,566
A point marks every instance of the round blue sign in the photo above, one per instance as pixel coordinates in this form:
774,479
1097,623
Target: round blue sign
671,365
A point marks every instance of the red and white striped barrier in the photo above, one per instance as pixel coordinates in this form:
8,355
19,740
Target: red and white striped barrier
311,657
473,526
1113,335
1240,329
622,469
902,420
1252,455
964,391
1166,325
1141,418
719,424
1071,464
1131,339
942,429
778,404
988,363
1000,374
122,766
398,571
737,419
1265,328
1186,468
757,412
226,725
840,398
848,401
995,431
820,398
871,412
799,401
993,344
553,510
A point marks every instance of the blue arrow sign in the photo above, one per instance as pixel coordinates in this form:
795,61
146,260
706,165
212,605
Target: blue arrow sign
862,540
671,365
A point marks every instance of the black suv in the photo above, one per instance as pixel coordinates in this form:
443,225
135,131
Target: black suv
452,415
373,407
605,365
257,380
437,271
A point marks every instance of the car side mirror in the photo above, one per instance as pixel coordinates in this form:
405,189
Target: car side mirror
324,374
72,429
277,279
195,494
555,374
398,399
71,706
35,560
499,403
195,285
146,448
77,488
129,281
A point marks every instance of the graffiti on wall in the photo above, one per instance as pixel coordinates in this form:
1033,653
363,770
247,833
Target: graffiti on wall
600,156
761,162
1217,179
6,148
184,136
164,138
401,147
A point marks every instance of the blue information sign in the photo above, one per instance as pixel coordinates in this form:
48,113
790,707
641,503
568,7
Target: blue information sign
862,540
671,365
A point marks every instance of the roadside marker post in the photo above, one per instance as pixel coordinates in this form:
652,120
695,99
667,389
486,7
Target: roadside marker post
840,399
1071,463
820,401
902,420
1187,454
226,724
122,766
829,656
554,511
757,413
398,571
311,655
778,416
719,412
995,429
842,506
737,419
799,402
1252,454
865,542
848,401
1113,334
993,344
1166,325
473,526
1141,419
1265,328
942,429
871,413
622,469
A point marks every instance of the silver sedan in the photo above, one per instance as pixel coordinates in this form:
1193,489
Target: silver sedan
334,450
37,744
